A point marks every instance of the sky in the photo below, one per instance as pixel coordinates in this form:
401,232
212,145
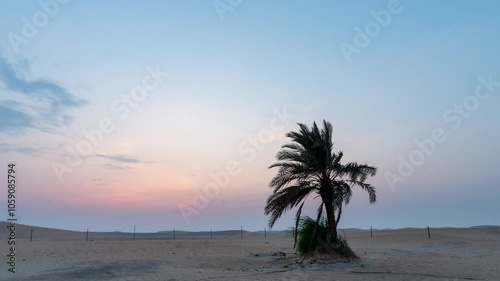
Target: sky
167,114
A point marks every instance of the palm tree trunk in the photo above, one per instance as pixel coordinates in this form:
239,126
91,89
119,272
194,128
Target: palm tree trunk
331,235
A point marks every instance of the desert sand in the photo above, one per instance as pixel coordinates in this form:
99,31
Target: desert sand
405,254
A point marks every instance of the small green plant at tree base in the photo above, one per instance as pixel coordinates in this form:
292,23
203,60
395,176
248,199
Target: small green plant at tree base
311,239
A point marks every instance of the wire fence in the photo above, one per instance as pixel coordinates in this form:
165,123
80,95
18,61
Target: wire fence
30,234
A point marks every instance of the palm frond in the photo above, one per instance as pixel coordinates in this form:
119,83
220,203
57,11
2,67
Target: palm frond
279,202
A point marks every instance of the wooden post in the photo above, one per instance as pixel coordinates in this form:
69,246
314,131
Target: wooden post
31,235
265,233
371,232
242,232
174,233
133,237
429,232
210,233
87,237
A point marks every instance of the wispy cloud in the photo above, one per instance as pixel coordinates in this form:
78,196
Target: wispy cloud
32,103
99,181
115,167
120,158
13,119
7,147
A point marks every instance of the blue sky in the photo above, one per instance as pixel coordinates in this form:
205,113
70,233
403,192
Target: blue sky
227,75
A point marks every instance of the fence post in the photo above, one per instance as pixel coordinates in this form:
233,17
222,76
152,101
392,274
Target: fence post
371,232
133,237
429,232
87,237
31,235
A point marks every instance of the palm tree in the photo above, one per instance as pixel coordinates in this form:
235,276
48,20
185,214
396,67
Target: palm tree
309,166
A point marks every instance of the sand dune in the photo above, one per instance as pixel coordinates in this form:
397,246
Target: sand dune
406,254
